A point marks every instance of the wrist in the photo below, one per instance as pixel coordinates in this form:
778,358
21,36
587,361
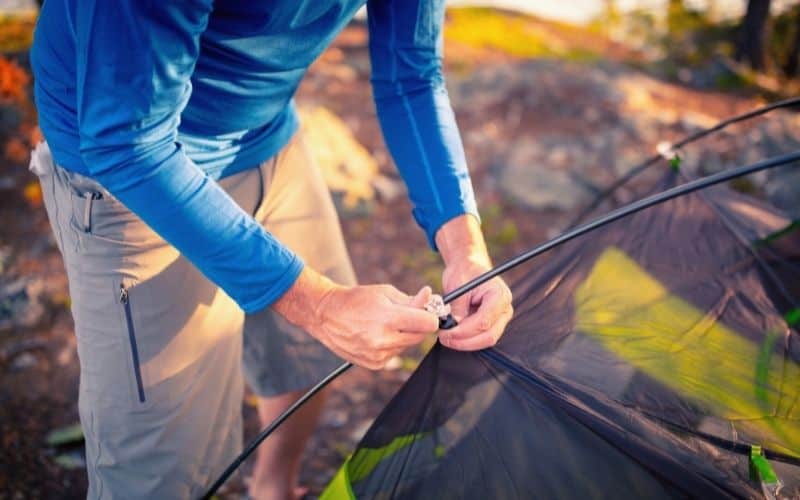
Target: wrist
301,304
460,240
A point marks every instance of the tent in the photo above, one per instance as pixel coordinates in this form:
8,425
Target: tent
655,354
655,357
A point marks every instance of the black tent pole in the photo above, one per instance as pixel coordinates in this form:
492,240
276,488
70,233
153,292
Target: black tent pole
621,212
612,216
636,170
264,434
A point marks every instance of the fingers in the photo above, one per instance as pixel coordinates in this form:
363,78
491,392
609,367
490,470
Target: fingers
394,294
420,300
495,303
485,326
404,340
408,315
367,325
412,320
377,357
482,340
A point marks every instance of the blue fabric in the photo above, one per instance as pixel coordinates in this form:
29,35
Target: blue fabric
155,99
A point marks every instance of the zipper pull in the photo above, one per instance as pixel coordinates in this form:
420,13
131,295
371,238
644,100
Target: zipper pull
123,294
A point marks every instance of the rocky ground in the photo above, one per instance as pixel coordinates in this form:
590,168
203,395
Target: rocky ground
543,136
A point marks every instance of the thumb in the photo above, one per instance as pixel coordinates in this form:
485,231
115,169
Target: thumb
421,298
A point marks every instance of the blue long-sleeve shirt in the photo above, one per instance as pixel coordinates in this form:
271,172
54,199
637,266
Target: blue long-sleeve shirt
155,99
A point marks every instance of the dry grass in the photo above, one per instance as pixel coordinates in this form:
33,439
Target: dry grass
16,31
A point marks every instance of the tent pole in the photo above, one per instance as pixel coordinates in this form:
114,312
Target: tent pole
786,103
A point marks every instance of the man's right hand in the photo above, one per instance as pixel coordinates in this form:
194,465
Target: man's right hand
366,325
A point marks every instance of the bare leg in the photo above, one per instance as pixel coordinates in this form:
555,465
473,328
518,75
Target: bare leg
278,458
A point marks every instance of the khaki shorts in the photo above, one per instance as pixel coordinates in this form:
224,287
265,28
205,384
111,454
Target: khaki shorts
161,347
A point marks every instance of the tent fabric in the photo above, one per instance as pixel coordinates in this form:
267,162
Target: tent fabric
656,357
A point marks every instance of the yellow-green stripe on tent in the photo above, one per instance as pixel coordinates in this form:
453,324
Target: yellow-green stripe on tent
634,316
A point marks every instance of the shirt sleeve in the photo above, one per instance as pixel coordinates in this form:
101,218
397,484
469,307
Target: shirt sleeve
134,63
418,124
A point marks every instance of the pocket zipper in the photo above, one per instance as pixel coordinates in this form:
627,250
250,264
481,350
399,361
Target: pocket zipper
125,301
87,210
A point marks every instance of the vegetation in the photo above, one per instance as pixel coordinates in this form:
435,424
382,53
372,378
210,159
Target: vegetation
16,31
699,47
515,35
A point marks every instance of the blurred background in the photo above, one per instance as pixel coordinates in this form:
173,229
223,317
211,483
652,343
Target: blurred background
555,100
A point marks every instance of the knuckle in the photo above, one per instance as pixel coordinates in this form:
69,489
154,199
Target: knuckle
377,342
377,361
452,343
384,360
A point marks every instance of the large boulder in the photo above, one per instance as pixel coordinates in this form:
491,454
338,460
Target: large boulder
350,171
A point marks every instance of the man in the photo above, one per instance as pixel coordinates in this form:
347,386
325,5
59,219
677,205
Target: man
187,210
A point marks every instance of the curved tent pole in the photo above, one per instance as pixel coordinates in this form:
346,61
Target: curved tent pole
612,216
264,434
629,209
608,191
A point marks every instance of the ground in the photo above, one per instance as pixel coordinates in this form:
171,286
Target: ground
545,128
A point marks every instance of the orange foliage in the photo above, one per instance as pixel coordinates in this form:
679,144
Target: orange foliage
31,133
16,150
16,31
13,82
15,92
33,193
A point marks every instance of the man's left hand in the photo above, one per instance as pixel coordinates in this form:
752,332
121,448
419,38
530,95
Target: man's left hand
484,312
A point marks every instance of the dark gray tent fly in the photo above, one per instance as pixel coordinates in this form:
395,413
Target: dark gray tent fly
655,354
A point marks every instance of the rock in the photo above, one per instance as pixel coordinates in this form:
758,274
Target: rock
341,72
335,418
360,429
539,187
357,395
540,178
23,361
5,257
388,189
20,303
782,188
347,166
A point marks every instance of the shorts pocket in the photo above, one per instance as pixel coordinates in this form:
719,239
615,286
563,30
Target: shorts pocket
95,215
125,304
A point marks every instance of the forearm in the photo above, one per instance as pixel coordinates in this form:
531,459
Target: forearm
414,110
422,135
460,239
196,216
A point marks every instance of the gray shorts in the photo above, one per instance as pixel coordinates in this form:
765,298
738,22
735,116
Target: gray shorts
161,347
